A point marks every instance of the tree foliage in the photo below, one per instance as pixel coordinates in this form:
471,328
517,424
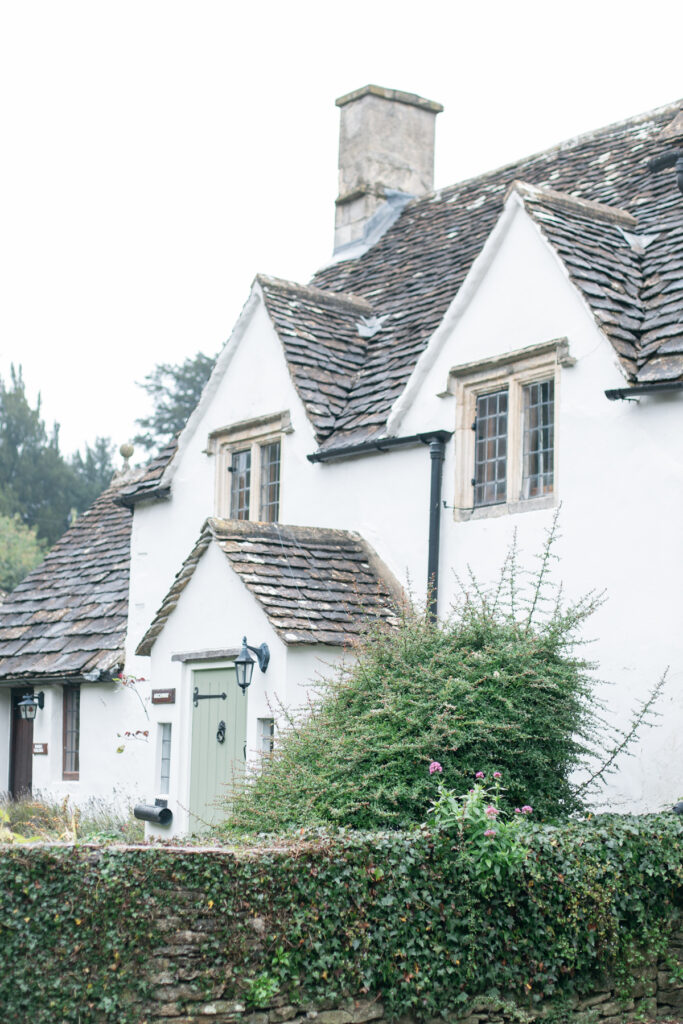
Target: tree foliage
20,551
497,687
37,483
93,470
175,391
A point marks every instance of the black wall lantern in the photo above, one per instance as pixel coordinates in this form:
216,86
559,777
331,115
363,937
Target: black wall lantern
29,704
244,663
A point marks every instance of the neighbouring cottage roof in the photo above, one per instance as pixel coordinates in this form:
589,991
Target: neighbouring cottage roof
67,618
316,586
412,274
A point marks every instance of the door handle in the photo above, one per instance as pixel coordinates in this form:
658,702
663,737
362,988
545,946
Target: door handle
220,735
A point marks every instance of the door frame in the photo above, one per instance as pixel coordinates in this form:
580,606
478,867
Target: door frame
193,667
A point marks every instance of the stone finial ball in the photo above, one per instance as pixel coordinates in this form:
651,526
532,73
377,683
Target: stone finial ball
126,450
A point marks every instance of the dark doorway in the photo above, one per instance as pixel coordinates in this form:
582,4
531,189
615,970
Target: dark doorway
21,748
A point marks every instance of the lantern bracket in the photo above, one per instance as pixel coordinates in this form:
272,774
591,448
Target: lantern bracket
262,653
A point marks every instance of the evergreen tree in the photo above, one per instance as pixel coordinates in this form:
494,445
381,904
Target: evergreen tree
175,391
94,471
20,551
37,484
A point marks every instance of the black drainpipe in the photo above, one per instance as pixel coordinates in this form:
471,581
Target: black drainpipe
437,446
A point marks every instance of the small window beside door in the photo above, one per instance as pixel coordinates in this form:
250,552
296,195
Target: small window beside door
266,735
164,757
71,713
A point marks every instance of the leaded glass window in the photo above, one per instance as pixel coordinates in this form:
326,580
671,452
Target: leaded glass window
490,454
538,441
71,731
240,484
270,482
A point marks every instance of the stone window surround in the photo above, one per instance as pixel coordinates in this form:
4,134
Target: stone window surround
252,434
511,370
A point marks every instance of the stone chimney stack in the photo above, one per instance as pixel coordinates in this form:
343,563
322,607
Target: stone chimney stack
386,141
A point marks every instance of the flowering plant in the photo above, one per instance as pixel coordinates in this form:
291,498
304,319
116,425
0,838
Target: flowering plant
480,824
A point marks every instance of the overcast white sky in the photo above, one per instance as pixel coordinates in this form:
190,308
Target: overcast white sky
157,154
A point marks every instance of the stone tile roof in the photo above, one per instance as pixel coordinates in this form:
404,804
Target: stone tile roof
146,486
67,618
411,275
319,331
602,254
316,586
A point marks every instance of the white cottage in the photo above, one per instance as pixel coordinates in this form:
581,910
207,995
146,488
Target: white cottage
470,359
62,638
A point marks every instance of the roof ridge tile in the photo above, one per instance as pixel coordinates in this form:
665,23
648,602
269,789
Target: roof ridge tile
571,204
322,295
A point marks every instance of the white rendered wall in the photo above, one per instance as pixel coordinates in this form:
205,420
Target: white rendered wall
112,764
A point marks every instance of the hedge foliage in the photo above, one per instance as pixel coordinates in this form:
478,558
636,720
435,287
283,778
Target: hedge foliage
402,915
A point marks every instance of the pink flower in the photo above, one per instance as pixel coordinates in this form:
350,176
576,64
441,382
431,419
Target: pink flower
491,811
526,809
435,767
517,810
480,775
498,775
490,832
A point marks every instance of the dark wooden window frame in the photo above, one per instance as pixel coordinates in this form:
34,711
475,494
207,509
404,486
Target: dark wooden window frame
71,695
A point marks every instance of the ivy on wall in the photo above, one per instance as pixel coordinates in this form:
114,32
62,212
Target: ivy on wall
401,915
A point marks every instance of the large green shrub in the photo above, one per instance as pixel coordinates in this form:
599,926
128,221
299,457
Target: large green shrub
498,686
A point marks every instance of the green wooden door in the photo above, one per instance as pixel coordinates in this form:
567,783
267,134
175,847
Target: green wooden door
216,767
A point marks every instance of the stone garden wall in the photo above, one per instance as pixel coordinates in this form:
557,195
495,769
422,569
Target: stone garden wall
176,970
314,928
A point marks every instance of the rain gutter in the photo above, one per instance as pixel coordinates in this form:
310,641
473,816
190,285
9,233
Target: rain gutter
643,389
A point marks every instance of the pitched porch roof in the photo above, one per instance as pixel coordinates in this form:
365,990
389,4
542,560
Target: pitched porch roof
315,586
